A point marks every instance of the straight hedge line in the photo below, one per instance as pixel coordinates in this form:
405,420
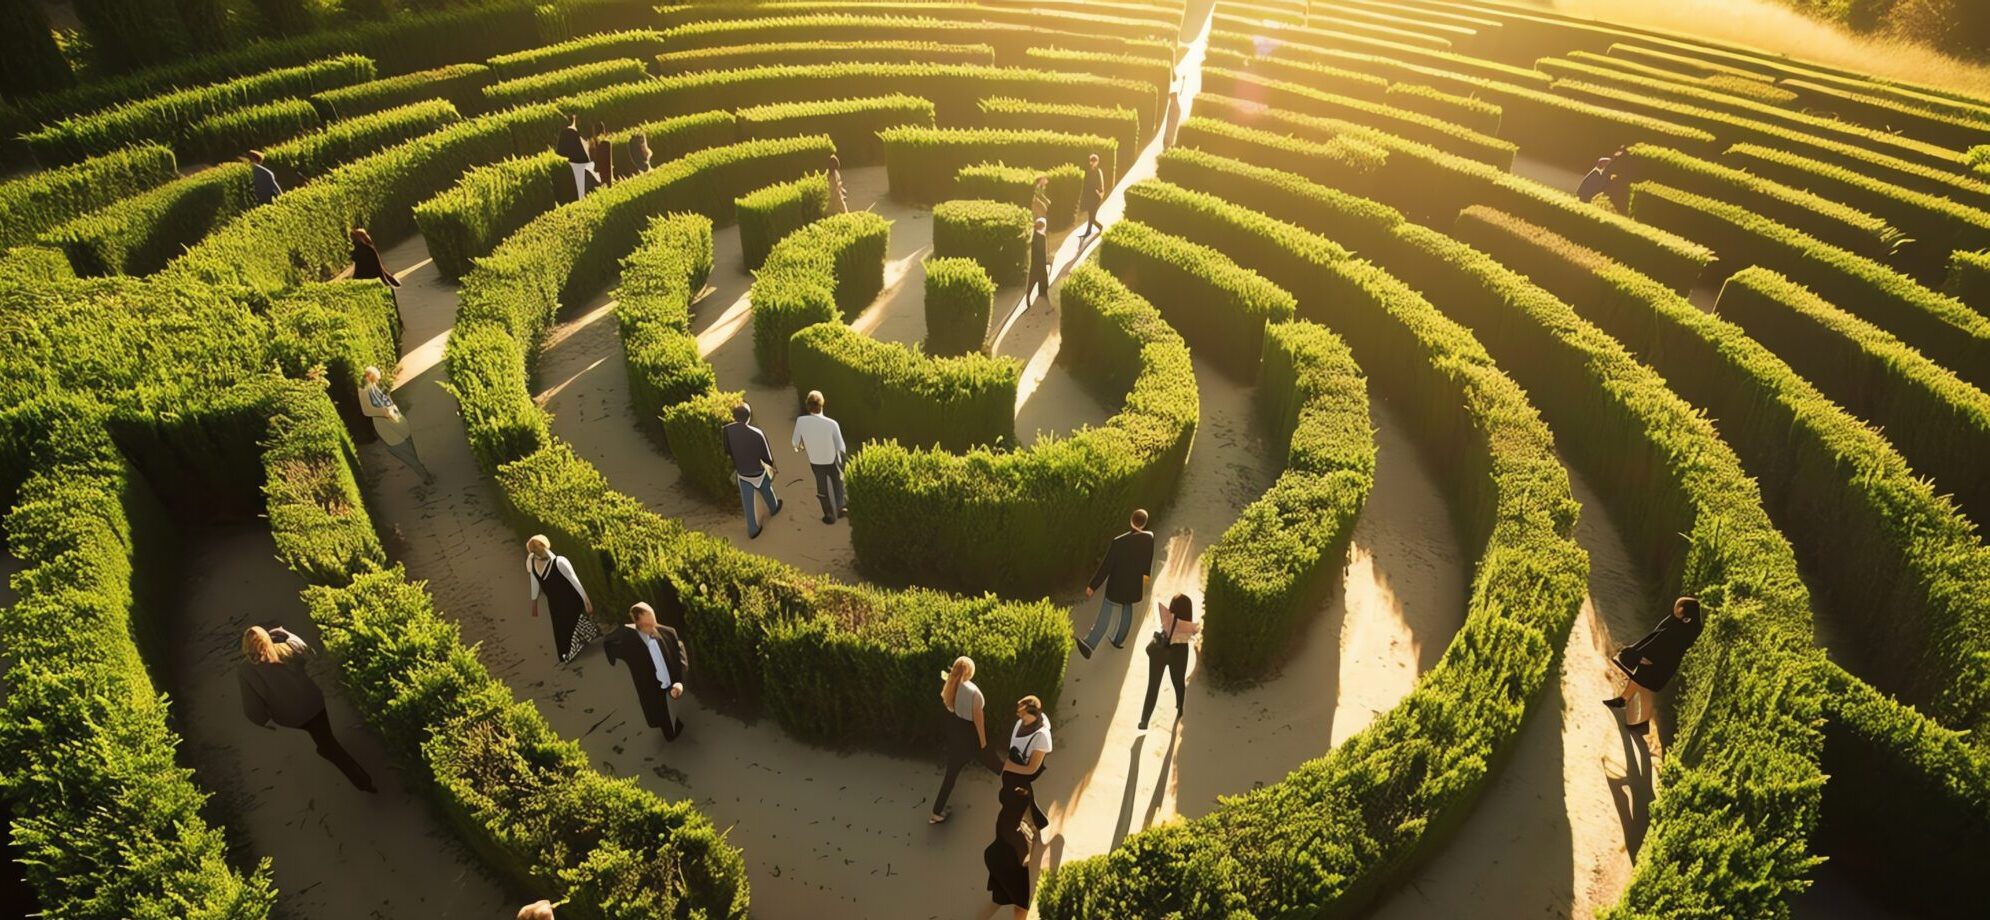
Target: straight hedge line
927,513
921,162
1969,280
828,271
888,390
469,218
1902,570
1017,185
1153,66
1011,39
853,124
1218,306
223,136
766,630
37,202
601,47
1443,135
1837,224
340,142
560,84
1942,328
168,117
653,308
734,57
461,84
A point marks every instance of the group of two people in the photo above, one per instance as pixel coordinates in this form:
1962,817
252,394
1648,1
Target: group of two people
816,434
593,158
1095,196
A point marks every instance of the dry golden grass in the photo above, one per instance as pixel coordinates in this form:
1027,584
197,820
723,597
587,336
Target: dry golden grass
1764,25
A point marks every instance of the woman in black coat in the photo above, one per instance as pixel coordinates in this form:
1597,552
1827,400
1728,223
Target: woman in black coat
1649,663
1008,857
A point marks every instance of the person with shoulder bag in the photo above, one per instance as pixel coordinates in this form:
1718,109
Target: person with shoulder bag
1167,650
1029,745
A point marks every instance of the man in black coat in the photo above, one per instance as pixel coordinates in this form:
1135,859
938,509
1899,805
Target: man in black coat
574,149
1039,261
1125,572
657,663
1095,195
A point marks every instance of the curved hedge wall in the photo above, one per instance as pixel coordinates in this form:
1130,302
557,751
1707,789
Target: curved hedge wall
994,234
37,202
887,390
1219,306
928,513
960,299
340,142
828,271
922,162
1017,185
769,214
559,84
853,124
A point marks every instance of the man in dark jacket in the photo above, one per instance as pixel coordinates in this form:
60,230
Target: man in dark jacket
1594,183
1095,195
1127,569
1649,663
262,182
575,150
657,663
753,464
1039,261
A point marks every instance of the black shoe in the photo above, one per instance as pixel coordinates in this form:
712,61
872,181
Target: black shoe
753,535
1615,702
677,730
1116,644
828,520
1143,725
1084,649
777,508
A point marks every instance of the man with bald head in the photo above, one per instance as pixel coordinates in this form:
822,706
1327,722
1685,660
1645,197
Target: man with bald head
657,663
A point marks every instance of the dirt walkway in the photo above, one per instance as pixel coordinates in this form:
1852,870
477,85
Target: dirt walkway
337,852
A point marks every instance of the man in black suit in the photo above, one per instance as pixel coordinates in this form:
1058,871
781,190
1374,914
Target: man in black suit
1125,572
657,662
575,150
1039,261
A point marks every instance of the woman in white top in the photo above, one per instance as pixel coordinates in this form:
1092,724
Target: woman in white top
389,423
1029,745
967,733
1168,650
572,612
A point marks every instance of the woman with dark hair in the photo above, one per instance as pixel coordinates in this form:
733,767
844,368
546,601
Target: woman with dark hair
366,260
602,154
1029,745
1008,857
1167,651
967,732
1649,663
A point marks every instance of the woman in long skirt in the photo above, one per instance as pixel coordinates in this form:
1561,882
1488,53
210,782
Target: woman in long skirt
1008,857
1649,663
571,611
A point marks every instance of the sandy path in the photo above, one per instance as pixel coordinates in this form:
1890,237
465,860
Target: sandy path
336,851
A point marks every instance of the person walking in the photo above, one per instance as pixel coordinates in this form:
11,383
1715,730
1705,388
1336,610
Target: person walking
1168,650
389,423
967,730
601,153
1008,857
657,663
1040,199
1095,195
566,601
1649,663
1125,572
575,150
1173,121
541,909
1029,746
276,690
639,154
823,439
753,464
1039,261
839,200
262,180
366,264
1594,183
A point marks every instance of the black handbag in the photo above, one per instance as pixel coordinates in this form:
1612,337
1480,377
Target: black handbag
1157,644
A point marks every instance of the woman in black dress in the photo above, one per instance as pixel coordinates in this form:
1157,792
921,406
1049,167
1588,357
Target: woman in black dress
366,266
1649,663
553,576
1008,857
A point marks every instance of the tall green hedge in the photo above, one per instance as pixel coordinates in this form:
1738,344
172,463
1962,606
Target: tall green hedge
922,162
732,57
636,44
1829,221
769,214
828,271
39,201
1017,185
341,142
170,116
1220,307
559,85
224,136
461,84
887,390
335,330
853,124
960,299
140,234
1120,124
1941,327
927,513
994,234
1437,132
1969,280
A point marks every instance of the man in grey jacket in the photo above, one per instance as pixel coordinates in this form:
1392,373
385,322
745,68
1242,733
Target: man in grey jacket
753,464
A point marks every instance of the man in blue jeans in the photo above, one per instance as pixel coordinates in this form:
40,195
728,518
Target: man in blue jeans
1127,569
753,464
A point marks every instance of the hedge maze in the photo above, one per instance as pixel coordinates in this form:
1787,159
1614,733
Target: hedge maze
1763,345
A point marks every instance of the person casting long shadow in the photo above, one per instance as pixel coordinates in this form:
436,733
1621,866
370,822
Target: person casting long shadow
1008,856
1649,663
1029,745
1167,651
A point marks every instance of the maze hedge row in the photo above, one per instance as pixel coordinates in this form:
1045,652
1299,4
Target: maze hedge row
828,271
460,84
735,57
1017,185
37,202
340,142
994,234
921,162
887,390
560,84
1219,307
852,124
960,299
139,234
768,214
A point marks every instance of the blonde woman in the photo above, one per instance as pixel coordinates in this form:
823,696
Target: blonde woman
571,611
389,423
276,690
967,730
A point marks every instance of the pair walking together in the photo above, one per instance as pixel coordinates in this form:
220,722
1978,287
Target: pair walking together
816,434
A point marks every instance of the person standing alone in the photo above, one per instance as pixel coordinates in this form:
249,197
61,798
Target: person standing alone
1039,261
823,439
1649,663
575,150
752,464
262,180
1125,572
1095,195
657,663
389,423
276,689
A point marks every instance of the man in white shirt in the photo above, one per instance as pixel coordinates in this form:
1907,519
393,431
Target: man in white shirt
657,663
823,439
